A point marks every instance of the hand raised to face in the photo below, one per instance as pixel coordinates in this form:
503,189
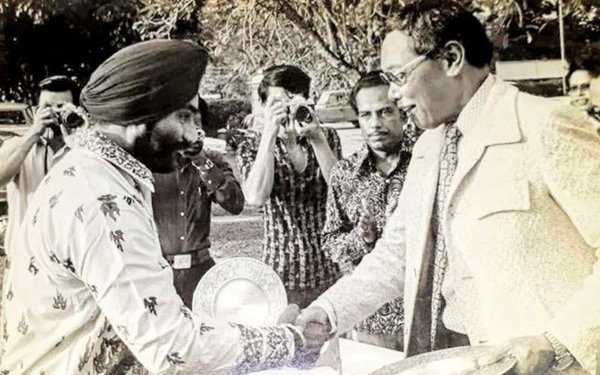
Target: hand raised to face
275,117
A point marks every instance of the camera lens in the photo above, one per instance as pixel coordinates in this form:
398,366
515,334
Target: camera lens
303,114
72,120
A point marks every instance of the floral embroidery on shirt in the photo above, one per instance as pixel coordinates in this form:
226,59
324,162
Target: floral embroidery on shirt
9,294
150,304
32,267
101,145
85,358
252,343
175,359
68,264
62,339
137,199
273,350
117,237
53,201
128,200
69,172
93,289
79,213
186,312
35,216
4,331
204,328
59,301
109,207
23,326
54,258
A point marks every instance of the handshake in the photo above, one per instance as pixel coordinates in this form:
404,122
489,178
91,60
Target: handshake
313,328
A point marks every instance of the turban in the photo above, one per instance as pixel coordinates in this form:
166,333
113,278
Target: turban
144,82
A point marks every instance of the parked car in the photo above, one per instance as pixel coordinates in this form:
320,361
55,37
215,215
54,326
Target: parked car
334,106
15,118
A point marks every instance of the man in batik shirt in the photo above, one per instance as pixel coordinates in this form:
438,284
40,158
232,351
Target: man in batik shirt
286,168
90,280
363,191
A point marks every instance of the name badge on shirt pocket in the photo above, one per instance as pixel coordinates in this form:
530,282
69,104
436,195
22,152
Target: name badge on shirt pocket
182,262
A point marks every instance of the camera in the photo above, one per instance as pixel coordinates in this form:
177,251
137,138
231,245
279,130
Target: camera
68,116
302,113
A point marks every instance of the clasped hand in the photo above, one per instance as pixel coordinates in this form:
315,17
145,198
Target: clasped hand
313,323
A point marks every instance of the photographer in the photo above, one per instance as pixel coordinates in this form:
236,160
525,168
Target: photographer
286,168
182,203
25,160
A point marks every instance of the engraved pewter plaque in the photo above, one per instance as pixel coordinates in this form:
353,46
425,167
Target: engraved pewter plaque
241,290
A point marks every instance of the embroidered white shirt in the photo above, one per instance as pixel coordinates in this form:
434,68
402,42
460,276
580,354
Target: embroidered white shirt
89,283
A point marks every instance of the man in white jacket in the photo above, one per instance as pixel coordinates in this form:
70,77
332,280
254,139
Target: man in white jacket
496,233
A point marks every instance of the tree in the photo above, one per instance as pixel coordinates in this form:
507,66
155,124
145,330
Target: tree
45,37
336,40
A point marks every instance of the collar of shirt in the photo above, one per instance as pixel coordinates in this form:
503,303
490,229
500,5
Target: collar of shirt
55,155
108,150
471,113
365,163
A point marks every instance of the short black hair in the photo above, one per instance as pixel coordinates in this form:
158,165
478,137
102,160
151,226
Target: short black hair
291,78
372,79
60,83
433,23
590,63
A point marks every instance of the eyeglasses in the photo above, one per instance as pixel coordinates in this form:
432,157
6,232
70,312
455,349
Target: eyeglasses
400,76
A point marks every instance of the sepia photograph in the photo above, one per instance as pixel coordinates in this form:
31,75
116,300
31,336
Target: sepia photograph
300,187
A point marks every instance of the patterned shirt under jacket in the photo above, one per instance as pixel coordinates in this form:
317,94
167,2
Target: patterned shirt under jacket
353,179
89,276
294,214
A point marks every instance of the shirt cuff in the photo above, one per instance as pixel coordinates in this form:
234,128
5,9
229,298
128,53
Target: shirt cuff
563,359
330,310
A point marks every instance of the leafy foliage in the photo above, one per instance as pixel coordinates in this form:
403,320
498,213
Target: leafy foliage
39,38
335,40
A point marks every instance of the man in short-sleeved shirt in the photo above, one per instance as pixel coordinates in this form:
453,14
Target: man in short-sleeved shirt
286,168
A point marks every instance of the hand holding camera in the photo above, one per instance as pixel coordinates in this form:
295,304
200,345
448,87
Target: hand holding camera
44,118
62,118
303,118
68,116
275,116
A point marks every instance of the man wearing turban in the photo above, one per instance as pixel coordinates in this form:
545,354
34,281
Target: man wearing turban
89,282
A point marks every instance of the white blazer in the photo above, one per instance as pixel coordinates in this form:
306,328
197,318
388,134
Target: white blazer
523,211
